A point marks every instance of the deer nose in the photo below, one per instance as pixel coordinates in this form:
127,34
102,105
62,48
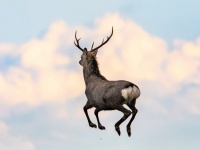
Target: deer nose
80,62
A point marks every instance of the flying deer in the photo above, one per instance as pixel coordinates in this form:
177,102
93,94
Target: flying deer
104,94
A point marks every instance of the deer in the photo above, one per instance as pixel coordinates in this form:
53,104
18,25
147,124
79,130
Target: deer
104,94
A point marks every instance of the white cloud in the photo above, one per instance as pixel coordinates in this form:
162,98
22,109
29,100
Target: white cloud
46,74
134,50
43,73
135,55
7,48
189,102
10,142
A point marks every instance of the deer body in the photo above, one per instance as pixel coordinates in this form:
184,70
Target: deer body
104,94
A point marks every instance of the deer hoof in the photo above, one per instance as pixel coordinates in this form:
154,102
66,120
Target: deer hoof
93,125
129,131
101,127
118,130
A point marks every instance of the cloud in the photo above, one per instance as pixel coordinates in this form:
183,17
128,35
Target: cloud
9,142
43,74
135,55
144,57
43,89
132,49
47,72
7,49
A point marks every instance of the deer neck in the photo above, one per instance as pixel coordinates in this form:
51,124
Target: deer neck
92,69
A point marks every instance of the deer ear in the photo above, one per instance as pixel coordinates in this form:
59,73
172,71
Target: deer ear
85,50
95,52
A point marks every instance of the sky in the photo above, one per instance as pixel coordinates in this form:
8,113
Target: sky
155,45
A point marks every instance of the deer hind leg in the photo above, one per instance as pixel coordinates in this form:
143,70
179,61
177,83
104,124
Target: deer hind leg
131,105
126,112
96,112
85,108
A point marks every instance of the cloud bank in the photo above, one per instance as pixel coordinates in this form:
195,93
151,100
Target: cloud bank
42,87
46,70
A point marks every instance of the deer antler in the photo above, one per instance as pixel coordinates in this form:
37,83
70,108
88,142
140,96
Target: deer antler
108,38
77,41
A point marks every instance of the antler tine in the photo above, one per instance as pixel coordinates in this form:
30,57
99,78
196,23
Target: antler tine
108,38
92,45
77,42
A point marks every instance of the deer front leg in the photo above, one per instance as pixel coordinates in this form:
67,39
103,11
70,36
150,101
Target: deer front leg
97,110
85,108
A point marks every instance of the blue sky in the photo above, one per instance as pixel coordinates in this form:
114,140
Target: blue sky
168,19
156,45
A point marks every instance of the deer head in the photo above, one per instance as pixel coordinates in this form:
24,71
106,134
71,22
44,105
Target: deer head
87,56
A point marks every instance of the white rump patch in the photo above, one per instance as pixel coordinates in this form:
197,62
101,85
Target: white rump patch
130,93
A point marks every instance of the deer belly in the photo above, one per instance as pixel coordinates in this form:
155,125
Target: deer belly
132,92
